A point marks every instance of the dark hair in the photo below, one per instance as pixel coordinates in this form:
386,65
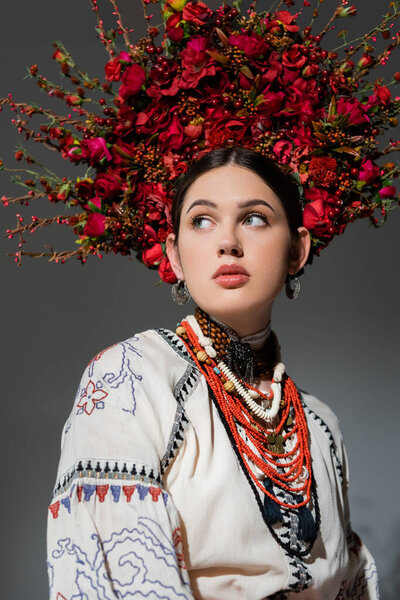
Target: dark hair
283,185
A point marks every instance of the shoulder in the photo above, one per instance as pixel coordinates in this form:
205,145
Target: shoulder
324,418
126,402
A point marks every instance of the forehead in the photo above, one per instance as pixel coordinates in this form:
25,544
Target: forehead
229,183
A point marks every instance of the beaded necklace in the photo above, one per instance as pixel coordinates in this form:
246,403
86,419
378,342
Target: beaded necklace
281,457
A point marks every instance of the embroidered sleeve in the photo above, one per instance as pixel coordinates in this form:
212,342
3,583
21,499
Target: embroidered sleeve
361,582
113,531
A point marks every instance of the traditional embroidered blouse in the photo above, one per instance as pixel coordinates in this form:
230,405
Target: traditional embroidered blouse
151,500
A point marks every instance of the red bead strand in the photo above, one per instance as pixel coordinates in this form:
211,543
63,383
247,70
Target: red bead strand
236,412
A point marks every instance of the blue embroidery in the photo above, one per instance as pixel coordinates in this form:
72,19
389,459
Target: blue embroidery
88,490
145,557
67,503
116,492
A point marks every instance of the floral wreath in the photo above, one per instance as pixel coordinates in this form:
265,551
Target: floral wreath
214,79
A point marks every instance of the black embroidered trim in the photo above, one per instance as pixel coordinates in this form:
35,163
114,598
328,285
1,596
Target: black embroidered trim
325,428
108,469
176,344
183,389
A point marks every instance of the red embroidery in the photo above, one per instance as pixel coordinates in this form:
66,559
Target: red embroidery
90,396
60,597
79,490
101,491
54,508
128,491
155,492
100,354
178,543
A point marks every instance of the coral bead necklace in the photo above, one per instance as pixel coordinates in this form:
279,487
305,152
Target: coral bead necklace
288,469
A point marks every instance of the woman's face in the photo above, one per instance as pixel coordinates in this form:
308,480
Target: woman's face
231,218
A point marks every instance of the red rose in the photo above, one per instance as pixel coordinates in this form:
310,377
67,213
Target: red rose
172,27
173,136
84,188
132,80
165,271
294,58
107,185
354,110
196,13
152,256
252,45
383,93
315,214
95,225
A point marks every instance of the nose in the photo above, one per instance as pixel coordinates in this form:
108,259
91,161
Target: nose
229,244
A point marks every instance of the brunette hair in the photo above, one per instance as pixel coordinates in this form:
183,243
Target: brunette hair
283,185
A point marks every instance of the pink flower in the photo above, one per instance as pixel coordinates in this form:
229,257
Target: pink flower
95,224
132,80
387,192
95,149
368,171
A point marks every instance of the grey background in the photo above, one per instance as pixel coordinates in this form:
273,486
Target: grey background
339,338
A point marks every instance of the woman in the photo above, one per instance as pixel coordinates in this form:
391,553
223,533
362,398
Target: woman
191,465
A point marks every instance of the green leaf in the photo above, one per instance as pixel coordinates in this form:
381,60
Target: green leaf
332,111
224,60
246,71
346,150
93,207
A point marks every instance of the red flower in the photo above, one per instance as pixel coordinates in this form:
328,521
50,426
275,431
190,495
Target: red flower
196,13
383,93
95,225
153,256
132,80
73,100
315,214
354,110
172,28
322,170
365,61
173,136
84,189
294,57
59,56
283,150
165,271
196,62
285,19
252,45
113,67
107,185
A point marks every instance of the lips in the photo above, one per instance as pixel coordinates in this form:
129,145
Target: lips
231,276
231,269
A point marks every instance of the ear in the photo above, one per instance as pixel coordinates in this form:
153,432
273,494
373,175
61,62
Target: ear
300,249
173,255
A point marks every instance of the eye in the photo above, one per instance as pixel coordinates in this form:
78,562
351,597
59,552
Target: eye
256,219
199,222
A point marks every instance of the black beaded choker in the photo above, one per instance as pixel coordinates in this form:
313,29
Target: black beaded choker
247,363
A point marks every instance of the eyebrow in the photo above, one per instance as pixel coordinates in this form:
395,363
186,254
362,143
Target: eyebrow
242,204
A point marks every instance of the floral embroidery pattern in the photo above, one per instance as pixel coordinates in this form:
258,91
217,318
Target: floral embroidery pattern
92,397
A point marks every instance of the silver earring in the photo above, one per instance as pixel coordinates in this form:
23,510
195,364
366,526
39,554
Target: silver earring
180,292
292,286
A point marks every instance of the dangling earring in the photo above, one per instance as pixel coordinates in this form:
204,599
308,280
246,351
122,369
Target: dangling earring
292,286
180,292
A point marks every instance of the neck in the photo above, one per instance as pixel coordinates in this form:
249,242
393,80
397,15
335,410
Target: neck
255,340
244,324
